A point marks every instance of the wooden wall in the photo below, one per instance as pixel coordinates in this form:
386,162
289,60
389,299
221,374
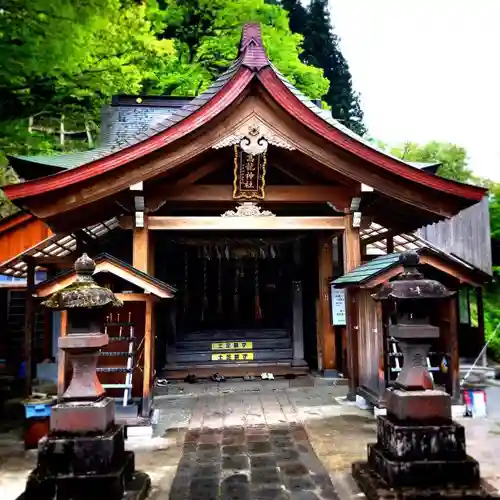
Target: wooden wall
370,343
461,234
19,234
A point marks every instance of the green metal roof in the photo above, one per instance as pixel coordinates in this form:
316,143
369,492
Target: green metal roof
367,271
65,160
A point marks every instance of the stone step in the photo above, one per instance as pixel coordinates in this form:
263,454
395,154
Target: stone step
206,345
233,335
206,356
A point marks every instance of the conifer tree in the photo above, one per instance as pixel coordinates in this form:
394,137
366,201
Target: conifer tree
297,14
321,49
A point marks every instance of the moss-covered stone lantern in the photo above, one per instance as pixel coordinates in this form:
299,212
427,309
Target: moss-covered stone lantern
85,301
84,454
420,451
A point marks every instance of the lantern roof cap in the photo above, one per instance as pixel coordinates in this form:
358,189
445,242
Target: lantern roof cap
84,292
411,284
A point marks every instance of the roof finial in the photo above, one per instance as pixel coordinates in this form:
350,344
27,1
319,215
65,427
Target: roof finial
252,52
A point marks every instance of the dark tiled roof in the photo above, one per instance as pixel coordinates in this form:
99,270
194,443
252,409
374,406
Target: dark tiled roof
137,124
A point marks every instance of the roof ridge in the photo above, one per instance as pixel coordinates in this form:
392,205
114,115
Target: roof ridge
252,52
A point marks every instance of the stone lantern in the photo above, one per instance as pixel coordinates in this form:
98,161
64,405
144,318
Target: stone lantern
84,454
420,452
410,299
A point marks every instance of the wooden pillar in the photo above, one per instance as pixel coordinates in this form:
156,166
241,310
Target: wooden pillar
352,328
61,359
29,325
140,251
151,253
452,346
480,325
352,259
390,244
352,248
148,351
297,309
326,332
297,324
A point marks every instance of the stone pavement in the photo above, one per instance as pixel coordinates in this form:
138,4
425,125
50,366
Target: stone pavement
260,462
200,422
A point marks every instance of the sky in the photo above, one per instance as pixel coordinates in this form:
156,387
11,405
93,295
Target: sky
427,70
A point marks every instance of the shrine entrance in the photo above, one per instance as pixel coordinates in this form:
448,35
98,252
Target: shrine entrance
235,299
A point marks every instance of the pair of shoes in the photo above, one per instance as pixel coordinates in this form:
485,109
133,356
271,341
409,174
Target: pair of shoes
248,378
217,377
162,382
267,376
191,379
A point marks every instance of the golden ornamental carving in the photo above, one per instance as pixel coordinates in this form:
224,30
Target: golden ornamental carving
254,138
248,209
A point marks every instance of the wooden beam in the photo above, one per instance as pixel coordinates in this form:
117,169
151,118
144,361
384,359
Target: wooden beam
338,195
156,223
148,342
135,297
449,269
383,277
155,197
55,261
29,326
378,237
61,360
326,332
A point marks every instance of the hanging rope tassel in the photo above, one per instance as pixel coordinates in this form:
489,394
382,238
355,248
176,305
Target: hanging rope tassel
186,281
236,298
258,310
204,305
219,282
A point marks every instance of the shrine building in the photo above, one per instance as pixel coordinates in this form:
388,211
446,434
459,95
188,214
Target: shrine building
246,230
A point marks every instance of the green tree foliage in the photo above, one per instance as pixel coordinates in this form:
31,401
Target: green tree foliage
68,57
56,54
453,158
321,49
207,34
492,291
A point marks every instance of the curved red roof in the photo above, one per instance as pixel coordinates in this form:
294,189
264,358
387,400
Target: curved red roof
252,63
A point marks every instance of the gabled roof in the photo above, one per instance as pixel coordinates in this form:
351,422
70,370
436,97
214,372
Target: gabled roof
106,263
364,274
252,64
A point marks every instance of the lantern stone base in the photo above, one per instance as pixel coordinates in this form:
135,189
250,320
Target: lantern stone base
82,417
418,405
376,488
83,467
420,452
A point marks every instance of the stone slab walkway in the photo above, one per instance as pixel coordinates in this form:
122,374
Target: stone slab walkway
258,462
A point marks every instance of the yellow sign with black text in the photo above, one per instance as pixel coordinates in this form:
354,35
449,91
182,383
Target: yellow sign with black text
232,356
221,346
